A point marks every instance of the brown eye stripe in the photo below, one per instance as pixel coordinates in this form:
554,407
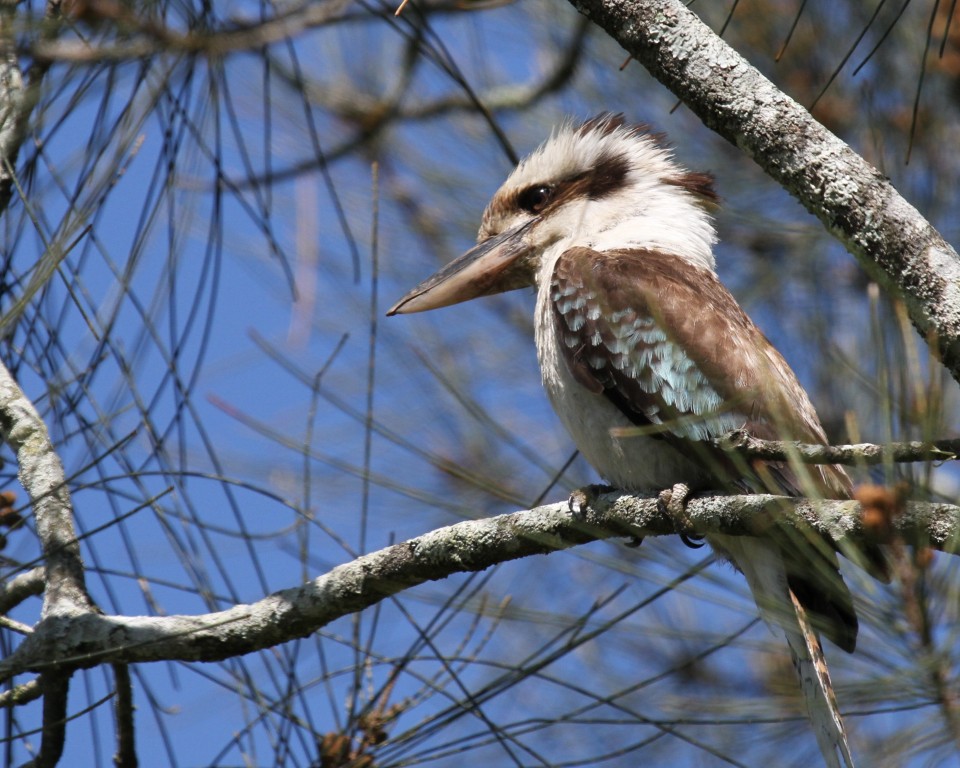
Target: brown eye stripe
699,184
603,179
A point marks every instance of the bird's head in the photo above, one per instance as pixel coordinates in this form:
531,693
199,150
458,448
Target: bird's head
602,184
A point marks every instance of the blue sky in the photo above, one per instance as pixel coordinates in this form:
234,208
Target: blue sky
224,298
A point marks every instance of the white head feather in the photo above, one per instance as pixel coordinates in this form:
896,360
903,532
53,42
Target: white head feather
615,186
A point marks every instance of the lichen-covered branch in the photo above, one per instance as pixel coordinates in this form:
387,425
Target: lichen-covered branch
855,202
19,695
41,475
860,454
20,587
19,94
13,101
88,639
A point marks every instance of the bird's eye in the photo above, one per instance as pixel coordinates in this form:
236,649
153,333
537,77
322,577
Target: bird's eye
534,199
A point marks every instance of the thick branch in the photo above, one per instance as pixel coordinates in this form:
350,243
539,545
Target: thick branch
889,237
13,102
89,639
18,99
41,475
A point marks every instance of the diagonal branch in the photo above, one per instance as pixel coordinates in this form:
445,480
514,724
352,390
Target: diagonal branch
21,587
89,639
855,202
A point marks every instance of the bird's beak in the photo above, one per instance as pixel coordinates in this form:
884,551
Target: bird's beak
495,265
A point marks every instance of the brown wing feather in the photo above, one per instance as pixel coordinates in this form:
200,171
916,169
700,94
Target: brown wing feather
668,344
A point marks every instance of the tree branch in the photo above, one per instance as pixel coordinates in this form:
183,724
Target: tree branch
19,588
14,104
855,202
21,694
126,754
147,36
860,454
88,639
55,686
18,100
42,477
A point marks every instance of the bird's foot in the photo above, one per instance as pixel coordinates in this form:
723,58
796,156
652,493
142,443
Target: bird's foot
581,499
673,503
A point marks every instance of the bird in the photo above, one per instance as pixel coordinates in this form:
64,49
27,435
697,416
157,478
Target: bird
648,359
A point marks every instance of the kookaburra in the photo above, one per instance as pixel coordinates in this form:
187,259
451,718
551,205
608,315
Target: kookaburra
646,357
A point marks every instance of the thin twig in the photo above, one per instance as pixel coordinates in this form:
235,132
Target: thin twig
21,694
126,756
19,588
738,441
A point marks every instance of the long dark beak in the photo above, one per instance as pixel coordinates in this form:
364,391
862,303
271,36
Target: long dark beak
494,266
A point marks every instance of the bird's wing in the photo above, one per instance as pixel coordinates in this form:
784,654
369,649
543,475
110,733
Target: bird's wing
669,345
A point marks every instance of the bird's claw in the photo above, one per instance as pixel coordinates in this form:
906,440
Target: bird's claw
673,503
581,499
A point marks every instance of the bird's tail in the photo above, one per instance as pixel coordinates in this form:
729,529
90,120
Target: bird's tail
764,569
817,689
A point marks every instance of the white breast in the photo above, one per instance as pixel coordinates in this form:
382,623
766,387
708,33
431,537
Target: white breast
634,463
